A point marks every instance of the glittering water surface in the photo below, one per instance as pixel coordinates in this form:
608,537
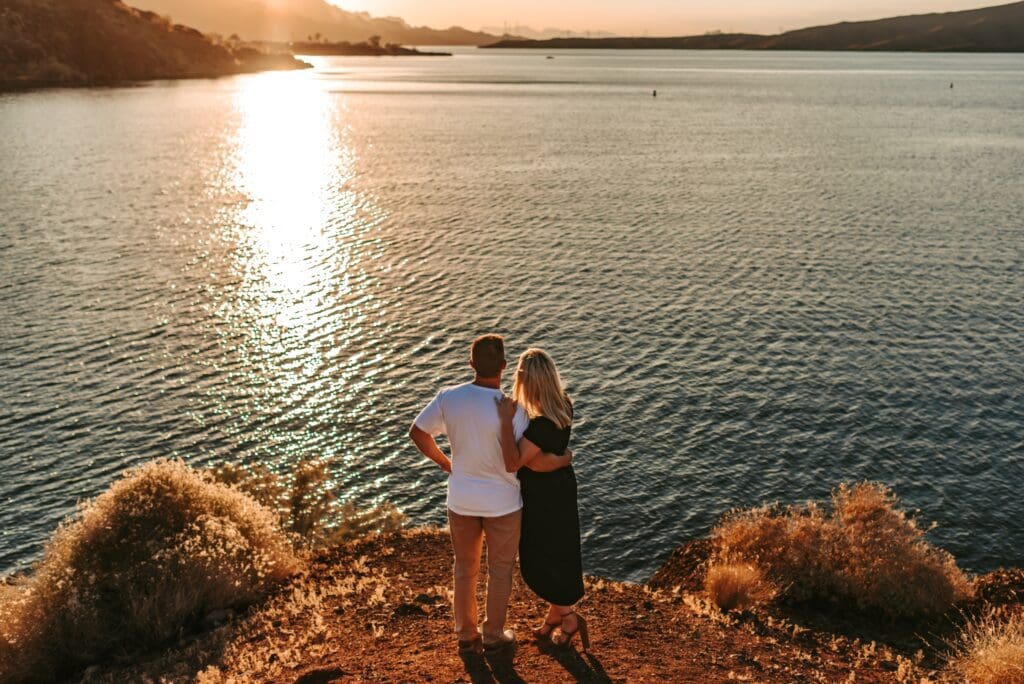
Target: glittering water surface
787,271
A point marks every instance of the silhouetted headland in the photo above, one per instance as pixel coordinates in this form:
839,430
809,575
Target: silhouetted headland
101,42
991,29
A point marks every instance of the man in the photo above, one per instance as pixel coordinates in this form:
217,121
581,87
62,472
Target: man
483,499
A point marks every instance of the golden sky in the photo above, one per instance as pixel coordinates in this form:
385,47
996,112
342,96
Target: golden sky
655,17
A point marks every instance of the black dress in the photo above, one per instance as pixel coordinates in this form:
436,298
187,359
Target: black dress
549,547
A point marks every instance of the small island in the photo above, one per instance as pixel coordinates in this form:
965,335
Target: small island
314,46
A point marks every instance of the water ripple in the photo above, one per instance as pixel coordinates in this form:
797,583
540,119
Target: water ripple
785,272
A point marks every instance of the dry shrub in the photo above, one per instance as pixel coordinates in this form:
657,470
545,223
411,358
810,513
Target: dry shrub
734,586
306,506
991,651
866,553
147,559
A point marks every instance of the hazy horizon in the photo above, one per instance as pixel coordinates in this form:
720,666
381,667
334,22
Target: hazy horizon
651,17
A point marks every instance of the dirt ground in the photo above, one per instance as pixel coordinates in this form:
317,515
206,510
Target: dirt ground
379,610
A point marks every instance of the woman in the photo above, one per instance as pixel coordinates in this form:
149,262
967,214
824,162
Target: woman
549,548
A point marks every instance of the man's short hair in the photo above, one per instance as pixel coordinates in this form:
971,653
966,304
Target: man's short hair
488,355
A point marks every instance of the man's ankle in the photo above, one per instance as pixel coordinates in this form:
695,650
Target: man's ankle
472,645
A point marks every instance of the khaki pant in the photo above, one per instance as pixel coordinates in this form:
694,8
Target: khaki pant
468,533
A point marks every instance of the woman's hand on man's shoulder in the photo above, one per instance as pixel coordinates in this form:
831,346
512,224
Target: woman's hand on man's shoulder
506,407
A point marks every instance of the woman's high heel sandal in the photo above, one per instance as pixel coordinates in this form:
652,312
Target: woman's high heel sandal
545,630
565,638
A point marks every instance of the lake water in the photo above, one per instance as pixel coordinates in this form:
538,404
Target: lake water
785,272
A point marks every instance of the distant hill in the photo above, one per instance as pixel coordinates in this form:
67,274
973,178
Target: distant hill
991,29
717,41
521,31
85,42
297,20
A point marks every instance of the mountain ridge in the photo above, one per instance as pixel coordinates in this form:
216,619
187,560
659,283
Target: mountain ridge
998,28
260,20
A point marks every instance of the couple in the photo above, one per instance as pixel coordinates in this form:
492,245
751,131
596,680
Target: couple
510,482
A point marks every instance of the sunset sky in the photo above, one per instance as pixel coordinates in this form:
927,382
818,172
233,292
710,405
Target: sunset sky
656,17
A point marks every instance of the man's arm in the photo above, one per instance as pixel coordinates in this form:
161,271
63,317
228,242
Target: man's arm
511,451
428,447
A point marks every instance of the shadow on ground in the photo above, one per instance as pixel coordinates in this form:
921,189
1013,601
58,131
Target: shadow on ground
500,667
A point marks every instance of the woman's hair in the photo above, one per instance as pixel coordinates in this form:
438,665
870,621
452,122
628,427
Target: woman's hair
538,388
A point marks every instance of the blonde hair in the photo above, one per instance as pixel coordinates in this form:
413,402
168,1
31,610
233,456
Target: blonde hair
538,388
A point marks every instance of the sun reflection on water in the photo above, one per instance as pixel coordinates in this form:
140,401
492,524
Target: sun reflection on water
293,166
299,289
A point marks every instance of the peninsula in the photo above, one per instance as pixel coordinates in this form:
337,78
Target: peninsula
991,29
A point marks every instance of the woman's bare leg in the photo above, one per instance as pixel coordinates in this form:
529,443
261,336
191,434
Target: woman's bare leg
551,620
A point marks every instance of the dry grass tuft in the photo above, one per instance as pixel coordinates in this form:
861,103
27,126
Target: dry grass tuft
991,651
866,553
345,601
737,586
147,559
306,506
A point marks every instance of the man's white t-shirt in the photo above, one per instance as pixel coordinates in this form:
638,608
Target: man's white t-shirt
479,484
